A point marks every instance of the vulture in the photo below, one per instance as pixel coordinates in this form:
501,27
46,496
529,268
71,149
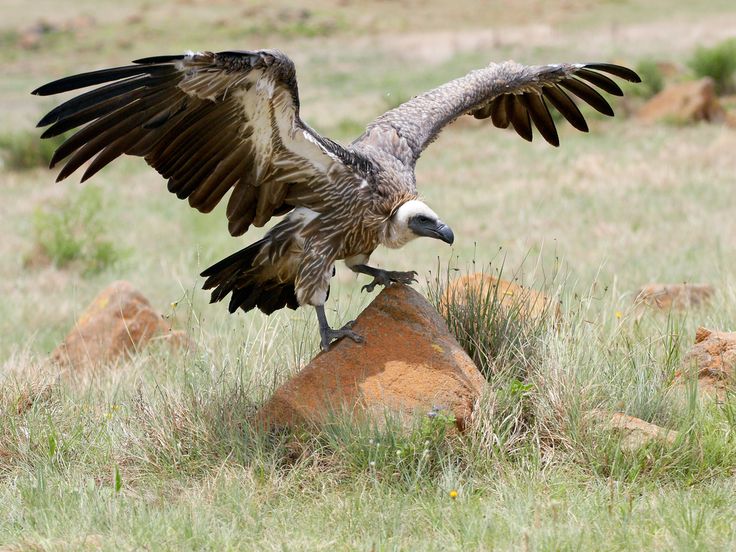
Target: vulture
228,122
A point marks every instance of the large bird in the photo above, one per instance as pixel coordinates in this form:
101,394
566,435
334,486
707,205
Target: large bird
213,123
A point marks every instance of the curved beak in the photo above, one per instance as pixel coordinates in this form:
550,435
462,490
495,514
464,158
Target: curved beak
433,229
444,233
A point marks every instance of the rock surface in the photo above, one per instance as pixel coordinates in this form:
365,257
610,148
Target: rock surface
674,296
483,289
713,360
119,321
686,102
408,365
635,432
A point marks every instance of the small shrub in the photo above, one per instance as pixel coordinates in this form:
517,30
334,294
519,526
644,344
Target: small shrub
652,80
719,63
25,150
74,231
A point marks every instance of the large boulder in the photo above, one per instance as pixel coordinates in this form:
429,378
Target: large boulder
712,360
684,103
119,321
674,296
481,290
409,364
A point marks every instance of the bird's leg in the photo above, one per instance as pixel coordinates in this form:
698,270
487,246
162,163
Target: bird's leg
384,277
328,335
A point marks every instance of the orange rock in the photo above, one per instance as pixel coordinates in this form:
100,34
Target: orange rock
409,364
674,296
635,432
480,289
119,321
668,69
684,103
713,359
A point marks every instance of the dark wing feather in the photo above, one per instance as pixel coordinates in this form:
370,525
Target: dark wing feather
508,93
207,122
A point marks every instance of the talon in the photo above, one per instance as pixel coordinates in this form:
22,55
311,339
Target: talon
336,335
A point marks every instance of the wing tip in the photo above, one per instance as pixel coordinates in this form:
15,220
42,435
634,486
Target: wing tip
616,70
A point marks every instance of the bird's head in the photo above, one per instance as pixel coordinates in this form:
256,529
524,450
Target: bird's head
414,219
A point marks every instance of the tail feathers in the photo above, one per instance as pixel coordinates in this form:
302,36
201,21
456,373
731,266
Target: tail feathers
236,275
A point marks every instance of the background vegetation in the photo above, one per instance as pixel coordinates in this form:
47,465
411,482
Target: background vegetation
157,453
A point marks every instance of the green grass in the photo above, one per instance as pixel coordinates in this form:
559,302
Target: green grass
652,80
24,150
159,452
717,62
163,457
74,232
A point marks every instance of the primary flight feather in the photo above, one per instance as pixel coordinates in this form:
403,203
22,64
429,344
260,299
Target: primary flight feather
213,123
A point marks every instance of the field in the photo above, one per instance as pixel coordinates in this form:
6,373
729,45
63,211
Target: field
157,454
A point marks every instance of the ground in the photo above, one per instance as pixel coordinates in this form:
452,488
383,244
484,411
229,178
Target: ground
156,454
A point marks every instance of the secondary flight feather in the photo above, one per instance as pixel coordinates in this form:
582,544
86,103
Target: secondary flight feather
228,122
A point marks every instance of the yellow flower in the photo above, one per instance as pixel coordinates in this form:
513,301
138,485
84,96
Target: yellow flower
453,494
619,314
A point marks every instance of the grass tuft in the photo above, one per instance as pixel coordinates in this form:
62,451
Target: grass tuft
74,231
718,63
25,150
652,80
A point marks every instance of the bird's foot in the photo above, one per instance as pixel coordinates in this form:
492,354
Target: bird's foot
388,277
329,336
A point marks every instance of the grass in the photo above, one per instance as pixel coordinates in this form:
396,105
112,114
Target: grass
717,62
24,150
652,80
158,451
162,457
74,232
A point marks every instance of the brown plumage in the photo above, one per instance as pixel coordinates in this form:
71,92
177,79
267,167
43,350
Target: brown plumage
229,122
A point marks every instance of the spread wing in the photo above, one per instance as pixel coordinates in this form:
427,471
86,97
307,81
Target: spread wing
509,93
208,123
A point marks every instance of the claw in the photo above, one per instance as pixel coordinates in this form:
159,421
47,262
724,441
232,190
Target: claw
388,277
330,336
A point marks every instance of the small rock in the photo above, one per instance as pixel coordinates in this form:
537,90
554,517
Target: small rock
409,364
674,296
33,395
29,40
118,322
669,70
684,103
482,289
713,359
635,432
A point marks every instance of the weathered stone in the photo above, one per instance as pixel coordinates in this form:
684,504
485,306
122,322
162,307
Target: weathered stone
480,290
118,322
674,296
408,365
684,103
635,433
712,360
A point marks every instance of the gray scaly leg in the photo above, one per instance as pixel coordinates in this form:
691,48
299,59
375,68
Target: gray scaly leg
328,335
385,277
